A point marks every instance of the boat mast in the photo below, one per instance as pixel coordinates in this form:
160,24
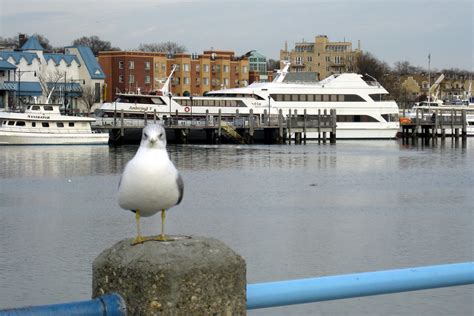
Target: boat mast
429,80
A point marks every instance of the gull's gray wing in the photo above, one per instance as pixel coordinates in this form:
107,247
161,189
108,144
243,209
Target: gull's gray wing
180,184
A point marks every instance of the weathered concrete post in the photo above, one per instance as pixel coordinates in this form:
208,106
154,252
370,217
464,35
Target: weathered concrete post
185,276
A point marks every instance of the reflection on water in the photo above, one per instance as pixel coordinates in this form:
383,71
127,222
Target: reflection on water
291,211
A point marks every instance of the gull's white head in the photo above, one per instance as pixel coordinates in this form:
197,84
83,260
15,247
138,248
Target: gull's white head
154,136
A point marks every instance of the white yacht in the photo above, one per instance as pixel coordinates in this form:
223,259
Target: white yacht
364,108
43,124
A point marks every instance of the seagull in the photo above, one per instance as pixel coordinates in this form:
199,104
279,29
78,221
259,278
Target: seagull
150,182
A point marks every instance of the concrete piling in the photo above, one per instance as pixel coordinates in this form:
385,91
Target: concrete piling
185,276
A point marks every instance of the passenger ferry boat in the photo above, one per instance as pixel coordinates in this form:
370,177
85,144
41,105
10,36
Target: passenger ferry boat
43,124
364,108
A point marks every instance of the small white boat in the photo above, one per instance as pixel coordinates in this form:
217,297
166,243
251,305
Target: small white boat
43,124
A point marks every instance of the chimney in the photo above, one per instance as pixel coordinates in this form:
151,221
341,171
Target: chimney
286,46
21,40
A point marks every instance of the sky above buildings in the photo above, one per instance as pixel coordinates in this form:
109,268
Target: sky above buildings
391,30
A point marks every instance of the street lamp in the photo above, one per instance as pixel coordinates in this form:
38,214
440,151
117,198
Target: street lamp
20,73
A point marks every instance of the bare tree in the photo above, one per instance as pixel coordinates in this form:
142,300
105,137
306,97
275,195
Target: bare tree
273,64
368,64
89,97
50,81
14,42
95,44
164,47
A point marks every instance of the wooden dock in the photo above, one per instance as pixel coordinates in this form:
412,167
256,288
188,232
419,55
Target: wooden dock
236,128
434,123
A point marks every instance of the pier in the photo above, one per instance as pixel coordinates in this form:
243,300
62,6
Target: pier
236,128
432,123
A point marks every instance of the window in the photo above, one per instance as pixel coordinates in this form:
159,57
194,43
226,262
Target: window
338,59
309,58
205,81
147,79
131,64
131,79
186,80
60,124
11,123
45,124
244,69
147,65
33,124
198,67
20,123
226,68
121,79
226,82
299,60
328,58
157,66
205,67
71,124
163,67
48,108
186,67
120,64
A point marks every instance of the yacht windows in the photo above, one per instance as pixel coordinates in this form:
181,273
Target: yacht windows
48,108
210,103
45,124
20,123
60,124
381,97
11,123
355,118
317,97
71,124
33,124
393,117
35,108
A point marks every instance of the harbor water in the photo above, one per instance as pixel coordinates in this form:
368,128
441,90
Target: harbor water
290,211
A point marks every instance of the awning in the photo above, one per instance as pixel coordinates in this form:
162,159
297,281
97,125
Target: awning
23,88
71,89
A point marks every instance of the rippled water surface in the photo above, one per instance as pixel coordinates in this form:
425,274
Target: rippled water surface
290,211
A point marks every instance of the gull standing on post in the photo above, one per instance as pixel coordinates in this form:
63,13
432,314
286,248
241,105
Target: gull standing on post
150,182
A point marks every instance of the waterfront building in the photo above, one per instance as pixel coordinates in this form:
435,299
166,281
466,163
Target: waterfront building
73,78
195,74
321,56
258,68
453,87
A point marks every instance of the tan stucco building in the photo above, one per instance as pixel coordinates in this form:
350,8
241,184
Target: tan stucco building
321,56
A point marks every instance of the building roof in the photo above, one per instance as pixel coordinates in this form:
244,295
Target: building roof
254,53
32,44
95,71
17,56
68,58
5,65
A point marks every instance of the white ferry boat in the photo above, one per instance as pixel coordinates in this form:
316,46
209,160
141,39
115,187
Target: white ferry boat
364,108
43,124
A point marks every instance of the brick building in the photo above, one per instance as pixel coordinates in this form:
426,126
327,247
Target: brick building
195,74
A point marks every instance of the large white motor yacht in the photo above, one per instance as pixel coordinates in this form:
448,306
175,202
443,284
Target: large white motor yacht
364,108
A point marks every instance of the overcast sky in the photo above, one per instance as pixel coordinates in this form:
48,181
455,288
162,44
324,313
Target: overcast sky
391,30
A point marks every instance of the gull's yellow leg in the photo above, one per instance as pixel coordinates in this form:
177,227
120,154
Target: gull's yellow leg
162,236
139,239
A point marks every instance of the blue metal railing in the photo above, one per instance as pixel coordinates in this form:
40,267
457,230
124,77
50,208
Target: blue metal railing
272,294
106,305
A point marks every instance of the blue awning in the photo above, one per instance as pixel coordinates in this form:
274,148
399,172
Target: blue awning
23,88
71,89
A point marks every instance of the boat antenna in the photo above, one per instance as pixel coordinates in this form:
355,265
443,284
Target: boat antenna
165,90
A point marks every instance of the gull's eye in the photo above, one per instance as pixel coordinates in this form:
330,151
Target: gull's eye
161,135
145,135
